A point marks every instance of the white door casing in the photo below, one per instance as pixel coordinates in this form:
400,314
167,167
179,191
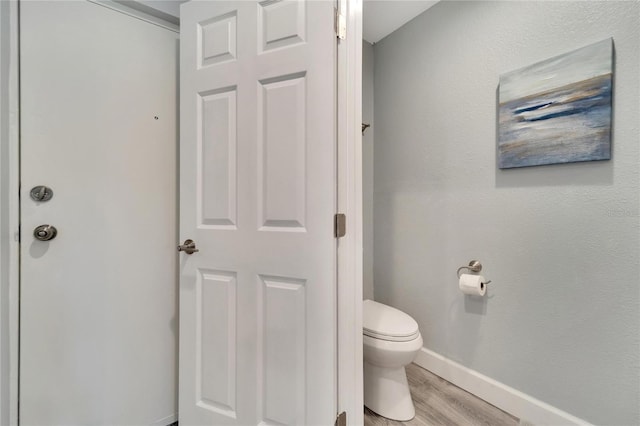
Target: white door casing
258,195
9,212
350,247
98,303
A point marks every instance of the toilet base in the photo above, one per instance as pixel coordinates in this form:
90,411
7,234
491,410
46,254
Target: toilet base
386,392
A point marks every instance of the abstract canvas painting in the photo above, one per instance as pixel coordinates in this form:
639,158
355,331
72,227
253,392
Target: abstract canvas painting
557,110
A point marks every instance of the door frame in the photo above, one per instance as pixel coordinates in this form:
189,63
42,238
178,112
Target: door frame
9,211
349,202
350,247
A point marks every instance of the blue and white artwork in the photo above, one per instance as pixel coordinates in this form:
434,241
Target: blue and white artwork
558,110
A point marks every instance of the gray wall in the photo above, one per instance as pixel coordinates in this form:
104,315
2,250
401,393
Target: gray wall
561,243
367,170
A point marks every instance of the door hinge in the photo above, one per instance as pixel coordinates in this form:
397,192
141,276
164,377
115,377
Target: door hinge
341,420
340,225
341,25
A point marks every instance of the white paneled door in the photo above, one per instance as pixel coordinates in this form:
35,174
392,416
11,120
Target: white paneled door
98,326
258,195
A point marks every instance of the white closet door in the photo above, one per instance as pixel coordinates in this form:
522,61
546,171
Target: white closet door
258,195
98,331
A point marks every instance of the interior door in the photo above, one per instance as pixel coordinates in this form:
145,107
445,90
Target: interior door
98,303
258,196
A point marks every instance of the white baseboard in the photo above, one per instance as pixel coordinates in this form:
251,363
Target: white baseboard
514,402
166,421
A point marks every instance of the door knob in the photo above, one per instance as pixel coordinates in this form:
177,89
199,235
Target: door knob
45,232
189,247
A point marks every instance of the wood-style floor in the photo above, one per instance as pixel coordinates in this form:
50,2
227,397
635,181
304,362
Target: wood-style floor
438,402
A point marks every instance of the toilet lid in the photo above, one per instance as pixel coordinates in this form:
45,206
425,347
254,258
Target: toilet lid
387,323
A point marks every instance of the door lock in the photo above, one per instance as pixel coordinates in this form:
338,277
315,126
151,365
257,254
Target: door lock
41,193
45,232
189,247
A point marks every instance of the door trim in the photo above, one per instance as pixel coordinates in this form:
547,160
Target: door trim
9,210
142,12
350,249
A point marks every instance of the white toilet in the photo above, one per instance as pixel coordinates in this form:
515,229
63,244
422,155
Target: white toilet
391,341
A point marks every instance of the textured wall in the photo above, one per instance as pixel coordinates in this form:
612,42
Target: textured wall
561,243
367,170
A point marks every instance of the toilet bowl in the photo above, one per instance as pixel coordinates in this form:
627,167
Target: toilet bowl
391,341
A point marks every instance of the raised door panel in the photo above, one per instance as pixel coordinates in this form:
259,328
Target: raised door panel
217,39
281,350
217,117
216,341
280,24
282,153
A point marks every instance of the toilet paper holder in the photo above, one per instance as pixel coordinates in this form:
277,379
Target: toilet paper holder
474,266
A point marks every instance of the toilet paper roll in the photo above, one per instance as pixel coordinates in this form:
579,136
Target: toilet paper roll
472,284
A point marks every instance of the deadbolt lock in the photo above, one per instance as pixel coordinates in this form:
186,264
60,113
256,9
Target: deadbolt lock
41,193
